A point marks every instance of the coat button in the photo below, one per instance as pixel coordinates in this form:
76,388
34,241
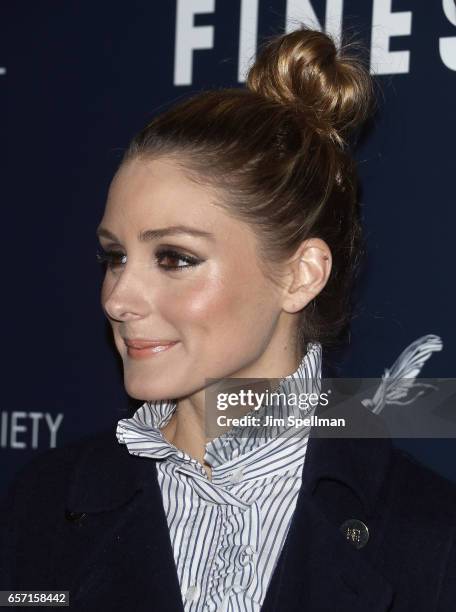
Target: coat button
74,517
356,532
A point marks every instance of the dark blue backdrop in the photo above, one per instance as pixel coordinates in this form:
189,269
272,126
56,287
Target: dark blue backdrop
78,78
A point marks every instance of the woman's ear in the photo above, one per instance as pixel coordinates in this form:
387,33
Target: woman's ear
306,273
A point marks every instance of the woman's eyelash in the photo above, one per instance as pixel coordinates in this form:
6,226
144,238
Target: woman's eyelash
116,258
172,254
111,258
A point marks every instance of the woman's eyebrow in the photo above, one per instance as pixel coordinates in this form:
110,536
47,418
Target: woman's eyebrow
153,234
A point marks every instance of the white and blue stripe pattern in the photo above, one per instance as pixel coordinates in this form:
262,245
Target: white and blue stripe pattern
227,533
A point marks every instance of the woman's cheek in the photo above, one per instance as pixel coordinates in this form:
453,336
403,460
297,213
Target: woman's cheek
202,301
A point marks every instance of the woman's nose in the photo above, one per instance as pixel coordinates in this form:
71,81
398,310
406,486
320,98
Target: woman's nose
126,298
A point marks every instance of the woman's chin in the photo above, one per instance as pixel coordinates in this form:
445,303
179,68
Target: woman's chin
151,393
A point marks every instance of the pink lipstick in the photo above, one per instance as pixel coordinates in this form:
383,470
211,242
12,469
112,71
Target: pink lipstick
142,349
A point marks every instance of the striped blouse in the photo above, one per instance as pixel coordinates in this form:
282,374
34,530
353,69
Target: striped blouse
227,533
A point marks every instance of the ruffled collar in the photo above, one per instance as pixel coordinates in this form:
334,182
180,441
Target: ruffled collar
142,436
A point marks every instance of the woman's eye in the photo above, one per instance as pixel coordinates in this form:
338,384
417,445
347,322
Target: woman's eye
112,259
169,259
171,256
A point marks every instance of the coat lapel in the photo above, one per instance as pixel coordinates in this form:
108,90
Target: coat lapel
118,525
318,567
319,570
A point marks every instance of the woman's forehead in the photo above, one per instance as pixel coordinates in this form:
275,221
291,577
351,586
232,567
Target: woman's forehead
152,194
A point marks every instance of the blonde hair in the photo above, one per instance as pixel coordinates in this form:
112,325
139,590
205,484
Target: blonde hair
278,153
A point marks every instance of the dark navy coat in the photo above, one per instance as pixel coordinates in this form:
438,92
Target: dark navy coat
89,518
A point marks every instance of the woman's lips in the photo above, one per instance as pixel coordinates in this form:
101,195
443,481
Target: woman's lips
139,349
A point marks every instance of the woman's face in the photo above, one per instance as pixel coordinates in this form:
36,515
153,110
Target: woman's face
205,292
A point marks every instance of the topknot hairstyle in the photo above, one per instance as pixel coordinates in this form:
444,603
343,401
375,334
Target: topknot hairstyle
278,154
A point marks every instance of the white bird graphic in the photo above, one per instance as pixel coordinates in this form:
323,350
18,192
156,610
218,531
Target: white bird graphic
398,380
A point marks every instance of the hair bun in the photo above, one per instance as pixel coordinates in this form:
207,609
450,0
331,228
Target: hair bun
304,70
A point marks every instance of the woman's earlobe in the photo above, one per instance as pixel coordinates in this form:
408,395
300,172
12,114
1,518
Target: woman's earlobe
309,273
